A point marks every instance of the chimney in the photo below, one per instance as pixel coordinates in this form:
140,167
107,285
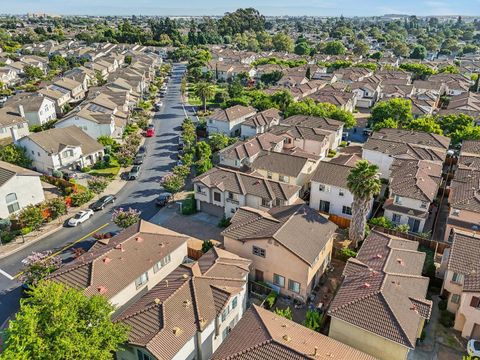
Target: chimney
14,132
21,111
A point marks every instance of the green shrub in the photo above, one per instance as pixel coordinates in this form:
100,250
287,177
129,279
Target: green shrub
343,143
271,299
26,230
286,313
207,245
382,221
57,174
331,153
81,198
403,228
346,253
189,206
97,185
447,318
313,320
442,305
86,169
31,217
224,222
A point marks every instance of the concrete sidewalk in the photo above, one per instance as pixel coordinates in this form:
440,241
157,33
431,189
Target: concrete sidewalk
22,242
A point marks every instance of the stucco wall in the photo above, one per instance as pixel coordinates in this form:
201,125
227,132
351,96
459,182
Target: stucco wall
383,161
28,190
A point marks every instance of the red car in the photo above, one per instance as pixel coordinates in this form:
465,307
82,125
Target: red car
150,132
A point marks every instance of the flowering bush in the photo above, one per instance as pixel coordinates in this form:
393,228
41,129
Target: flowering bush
97,185
125,218
38,266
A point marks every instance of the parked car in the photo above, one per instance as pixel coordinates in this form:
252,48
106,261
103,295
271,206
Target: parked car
473,348
158,106
134,172
142,150
139,159
163,199
80,217
102,202
68,175
150,132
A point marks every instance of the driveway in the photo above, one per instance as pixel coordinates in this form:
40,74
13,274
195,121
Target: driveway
140,194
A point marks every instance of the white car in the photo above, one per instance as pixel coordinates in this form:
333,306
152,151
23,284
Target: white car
80,217
473,348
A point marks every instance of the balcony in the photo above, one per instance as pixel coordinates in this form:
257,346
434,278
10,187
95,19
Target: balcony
233,201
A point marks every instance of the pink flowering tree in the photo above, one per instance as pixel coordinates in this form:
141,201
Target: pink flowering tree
38,266
125,218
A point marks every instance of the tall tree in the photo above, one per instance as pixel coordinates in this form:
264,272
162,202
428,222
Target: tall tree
57,323
364,183
205,91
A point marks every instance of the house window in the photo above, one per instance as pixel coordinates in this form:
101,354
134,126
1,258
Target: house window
162,263
265,202
455,298
67,153
279,280
234,302
142,356
341,193
321,187
283,178
279,202
141,280
293,286
475,302
424,204
396,218
217,197
457,278
258,251
12,203
199,189
398,200
269,175
347,210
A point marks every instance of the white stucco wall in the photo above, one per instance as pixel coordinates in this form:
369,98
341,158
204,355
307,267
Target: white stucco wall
93,129
28,190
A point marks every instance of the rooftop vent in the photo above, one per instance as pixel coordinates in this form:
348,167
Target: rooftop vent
177,331
139,239
366,285
379,256
107,260
157,301
186,303
102,289
400,261
119,247
286,338
185,276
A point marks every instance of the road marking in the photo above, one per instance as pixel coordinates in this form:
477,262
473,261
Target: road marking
69,245
7,275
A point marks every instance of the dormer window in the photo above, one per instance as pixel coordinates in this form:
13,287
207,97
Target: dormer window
424,205
398,200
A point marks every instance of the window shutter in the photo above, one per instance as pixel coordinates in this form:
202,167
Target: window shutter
475,302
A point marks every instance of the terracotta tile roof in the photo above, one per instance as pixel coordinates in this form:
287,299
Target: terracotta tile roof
299,228
186,301
415,179
232,113
465,259
240,183
465,190
263,335
383,291
135,249
248,148
422,139
471,147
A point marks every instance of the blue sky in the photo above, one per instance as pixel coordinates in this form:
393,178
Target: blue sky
267,7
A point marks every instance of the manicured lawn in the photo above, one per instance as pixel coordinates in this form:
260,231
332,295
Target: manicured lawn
109,172
196,101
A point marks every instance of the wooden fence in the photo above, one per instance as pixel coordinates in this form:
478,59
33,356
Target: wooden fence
341,222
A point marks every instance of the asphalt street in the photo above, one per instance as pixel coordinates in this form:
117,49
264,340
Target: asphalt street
140,194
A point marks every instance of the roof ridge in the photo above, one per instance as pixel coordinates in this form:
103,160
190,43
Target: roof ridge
354,301
195,301
404,334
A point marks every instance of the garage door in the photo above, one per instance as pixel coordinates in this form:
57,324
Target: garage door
476,332
212,209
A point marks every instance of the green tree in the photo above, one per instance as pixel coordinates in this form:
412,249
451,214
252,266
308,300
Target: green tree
125,218
33,73
271,78
31,217
60,323
38,266
204,154
312,320
302,48
219,141
364,183
360,48
281,41
207,245
400,110
173,183
205,91
181,170
286,313
400,49
385,124
418,52
16,155
334,48
425,123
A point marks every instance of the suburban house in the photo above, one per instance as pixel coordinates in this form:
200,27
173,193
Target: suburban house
244,152
61,148
381,308
295,235
61,97
12,125
367,93
313,125
288,168
37,110
464,202
127,265
260,122
75,88
385,145
8,76
470,154
19,187
461,283
228,121
413,187
343,100
261,334
329,192
222,191
189,313
94,123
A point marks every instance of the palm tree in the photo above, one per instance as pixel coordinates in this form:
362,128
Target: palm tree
204,91
364,183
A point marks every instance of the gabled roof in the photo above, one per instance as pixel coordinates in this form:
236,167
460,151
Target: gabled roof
464,259
248,148
465,190
113,264
300,229
8,171
263,118
383,291
262,335
232,113
185,302
415,179
332,174
314,122
280,163
240,183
